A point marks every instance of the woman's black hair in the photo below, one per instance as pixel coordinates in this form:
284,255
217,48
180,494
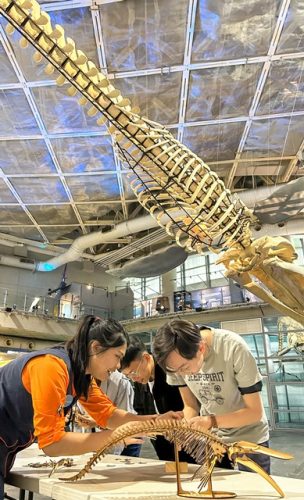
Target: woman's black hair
108,332
176,335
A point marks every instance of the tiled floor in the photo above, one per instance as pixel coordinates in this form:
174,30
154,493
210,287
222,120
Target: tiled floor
292,442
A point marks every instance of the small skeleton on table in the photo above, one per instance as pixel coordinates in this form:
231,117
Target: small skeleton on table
63,462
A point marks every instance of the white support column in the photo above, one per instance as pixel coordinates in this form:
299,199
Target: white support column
169,286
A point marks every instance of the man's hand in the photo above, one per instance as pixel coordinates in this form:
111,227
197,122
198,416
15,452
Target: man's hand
200,423
171,415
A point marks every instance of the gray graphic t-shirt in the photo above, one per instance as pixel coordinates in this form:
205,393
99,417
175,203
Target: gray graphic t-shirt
228,367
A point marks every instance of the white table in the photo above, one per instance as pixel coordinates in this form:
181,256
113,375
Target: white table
123,478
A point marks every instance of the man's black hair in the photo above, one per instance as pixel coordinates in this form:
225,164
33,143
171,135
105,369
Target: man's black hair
177,335
134,351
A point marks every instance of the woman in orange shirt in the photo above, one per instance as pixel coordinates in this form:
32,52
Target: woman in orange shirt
39,388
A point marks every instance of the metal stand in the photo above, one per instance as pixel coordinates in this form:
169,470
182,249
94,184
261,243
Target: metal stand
209,493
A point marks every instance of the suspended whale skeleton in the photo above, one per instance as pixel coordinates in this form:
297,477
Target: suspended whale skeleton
177,188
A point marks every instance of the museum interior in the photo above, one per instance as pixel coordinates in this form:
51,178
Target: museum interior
188,218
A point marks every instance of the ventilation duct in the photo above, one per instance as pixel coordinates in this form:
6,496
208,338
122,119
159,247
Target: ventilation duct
291,227
24,263
30,245
90,240
76,250
251,197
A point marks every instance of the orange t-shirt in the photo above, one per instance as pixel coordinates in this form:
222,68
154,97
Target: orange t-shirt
46,378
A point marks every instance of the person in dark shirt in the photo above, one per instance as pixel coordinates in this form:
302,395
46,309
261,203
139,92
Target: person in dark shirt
152,393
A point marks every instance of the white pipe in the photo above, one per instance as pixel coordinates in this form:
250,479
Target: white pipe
291,227
90,240
251,197
32,243
7,243
35,246
12,244
7,260
147,222
76,250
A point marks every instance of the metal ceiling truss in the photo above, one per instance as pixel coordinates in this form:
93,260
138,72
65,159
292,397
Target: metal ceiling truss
261,83
292,164
44,135
171,69
11,188
72,4
103,66
185,69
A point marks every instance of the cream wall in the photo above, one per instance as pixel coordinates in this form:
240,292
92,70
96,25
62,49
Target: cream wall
15,283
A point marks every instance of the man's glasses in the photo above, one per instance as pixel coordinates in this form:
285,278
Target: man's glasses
135,373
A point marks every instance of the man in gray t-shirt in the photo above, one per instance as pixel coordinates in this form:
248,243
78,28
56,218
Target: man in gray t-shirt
218,380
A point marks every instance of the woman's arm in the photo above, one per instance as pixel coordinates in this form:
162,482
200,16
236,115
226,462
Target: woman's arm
77,443
120,417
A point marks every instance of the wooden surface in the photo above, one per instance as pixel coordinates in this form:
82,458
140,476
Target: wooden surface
123,478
